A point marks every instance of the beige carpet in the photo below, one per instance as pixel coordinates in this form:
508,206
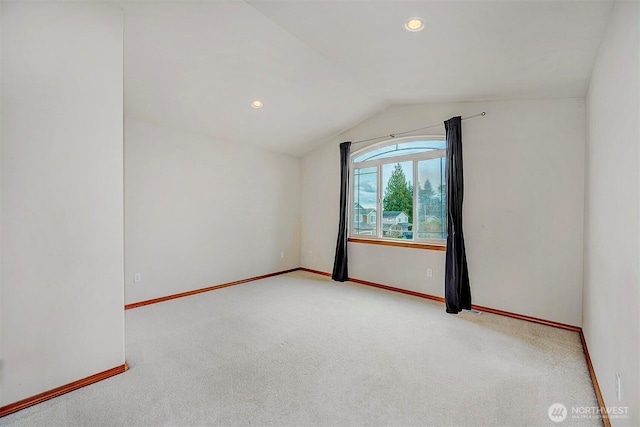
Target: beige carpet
298,350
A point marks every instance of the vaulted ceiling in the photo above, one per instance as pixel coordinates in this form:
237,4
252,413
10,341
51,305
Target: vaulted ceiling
321,67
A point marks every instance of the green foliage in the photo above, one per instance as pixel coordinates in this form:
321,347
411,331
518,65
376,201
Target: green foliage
398,196
432,210
442,189
427,189
428,202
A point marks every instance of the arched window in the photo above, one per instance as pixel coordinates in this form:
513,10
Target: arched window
399,190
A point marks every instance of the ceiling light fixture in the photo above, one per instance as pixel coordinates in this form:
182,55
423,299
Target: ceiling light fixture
256,104
414,25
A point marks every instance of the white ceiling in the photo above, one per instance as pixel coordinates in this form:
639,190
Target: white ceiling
321,67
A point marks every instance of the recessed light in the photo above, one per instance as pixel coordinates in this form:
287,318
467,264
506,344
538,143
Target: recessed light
256,104
414,25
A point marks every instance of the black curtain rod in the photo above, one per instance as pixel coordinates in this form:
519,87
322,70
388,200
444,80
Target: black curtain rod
393,135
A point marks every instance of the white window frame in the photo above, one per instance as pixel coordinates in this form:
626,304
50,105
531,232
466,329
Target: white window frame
415,158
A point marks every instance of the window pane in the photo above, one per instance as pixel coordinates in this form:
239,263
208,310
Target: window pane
432,199
397,204
365,192
401,149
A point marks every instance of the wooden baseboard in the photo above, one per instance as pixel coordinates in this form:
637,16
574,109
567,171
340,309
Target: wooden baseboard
527,318
394,289
473,306
594,380
207,289
572,328
58,391
322,273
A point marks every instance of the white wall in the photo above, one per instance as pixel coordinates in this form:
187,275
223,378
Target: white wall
200,212
612,214
62,194
523,208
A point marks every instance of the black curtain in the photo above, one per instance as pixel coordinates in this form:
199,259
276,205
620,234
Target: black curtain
340,271
457,292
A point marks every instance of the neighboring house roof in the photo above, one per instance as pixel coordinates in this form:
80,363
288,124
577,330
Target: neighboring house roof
392,214
359,210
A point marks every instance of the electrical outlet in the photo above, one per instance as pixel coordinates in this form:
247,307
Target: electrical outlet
618,391
429,272
310,253
137,278
281,255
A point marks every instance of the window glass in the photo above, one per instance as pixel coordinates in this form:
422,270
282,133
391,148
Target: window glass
365,190
399,191
431,198
400,149
397,202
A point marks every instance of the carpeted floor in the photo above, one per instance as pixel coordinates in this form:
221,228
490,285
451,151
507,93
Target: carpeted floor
300,350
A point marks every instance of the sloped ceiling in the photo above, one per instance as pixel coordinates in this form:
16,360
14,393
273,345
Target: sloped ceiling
321,67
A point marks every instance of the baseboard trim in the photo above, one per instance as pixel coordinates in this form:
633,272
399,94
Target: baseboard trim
58,391
594,380
473,306
400,290
527,318
207,289
592,372
322,273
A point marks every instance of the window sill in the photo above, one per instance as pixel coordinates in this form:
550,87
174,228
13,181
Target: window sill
405,244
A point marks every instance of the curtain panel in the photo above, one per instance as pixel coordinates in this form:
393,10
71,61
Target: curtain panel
456,286
340,269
